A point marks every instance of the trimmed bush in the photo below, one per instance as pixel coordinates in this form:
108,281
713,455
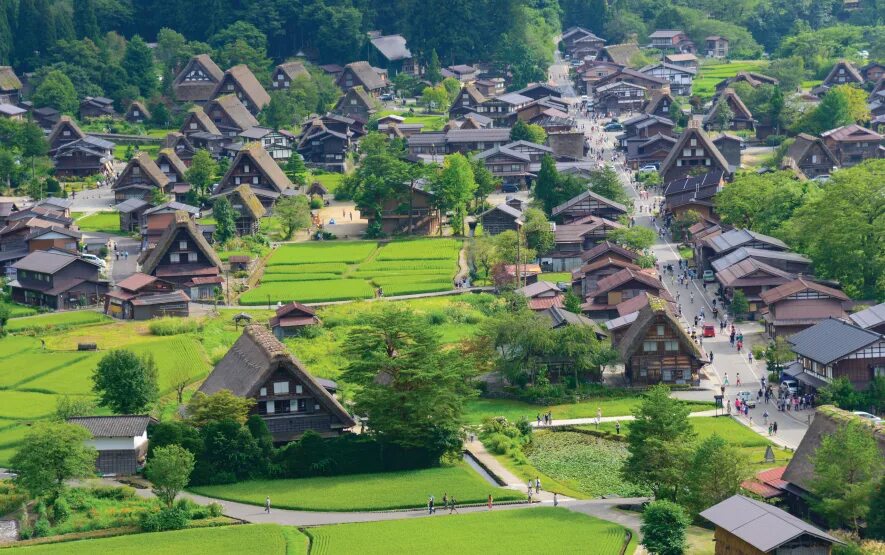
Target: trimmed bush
165,519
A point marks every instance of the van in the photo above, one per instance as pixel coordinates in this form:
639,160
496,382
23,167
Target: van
791,386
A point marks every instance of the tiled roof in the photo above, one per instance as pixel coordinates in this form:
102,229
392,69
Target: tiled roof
869,317
113,426
830,340
797,285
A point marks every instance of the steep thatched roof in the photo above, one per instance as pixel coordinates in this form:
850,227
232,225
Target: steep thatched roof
65,122
171,157
197,113
149,169
150,259
634,337
234,109
248,84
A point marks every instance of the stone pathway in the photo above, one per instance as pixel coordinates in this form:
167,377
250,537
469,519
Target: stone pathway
510,480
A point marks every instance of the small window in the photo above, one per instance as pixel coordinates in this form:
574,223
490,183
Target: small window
262,392
182,245
667,375
279,76
255,180
671,346
280,388
299,389
191,257
66,133
814,158
686,374
193,125
694,142
236,180
286,84
649,346
269,407
173,257
660,329
302,405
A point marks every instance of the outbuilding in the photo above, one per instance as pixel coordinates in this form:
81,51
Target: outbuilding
121,441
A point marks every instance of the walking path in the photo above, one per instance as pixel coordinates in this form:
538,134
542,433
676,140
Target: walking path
510,480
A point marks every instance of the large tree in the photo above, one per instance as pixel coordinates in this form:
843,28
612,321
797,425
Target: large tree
715,473
552,188
202,171
536,228
605,182
223,405
85,23
293,212
125,382
169,470
663,528
659,444
762,202
52,454
382,176
454,187
225,220
412,389
847,467
138,62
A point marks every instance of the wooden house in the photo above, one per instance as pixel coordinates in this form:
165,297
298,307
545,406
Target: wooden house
509,165
132,214
490,87
84,157
542,295
619,96
656,349
464,73
137,113
356,102
285,74
843,73
671,40
139,179
753,277
278,143
391,53
291,319
172,166
730,147
834,348
602,301
586,204
504,108
97,107
254,167
197,81
607,249
143,297
852,144
57,280
361,74
653,150
247,207
241,82
587,276
499,219
46,117
470,140
121,442
620,54
9,111
184,257
693,151
871,318
572,240
679,77
810,156
288,398
10,86
659,104
693,192
412,210
752,527
799,304
749,77
873,72
181,146
158,218
325,146
689,61
635,77
229,115
53,237
716,46
592,71
580,42
197,121
65,131
741,118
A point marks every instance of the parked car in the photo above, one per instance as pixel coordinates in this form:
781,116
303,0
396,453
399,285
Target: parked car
709,276
791,386
95,260
387,96
867,416
743,145
823,178
747,397
648,168
510,188
709,330
613,126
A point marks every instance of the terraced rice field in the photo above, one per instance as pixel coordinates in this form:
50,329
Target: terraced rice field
58,320
704,85
320,272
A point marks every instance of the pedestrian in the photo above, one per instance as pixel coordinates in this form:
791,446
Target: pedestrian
539,419
738,379
726,379
530,486
537,485
711,357
453,509
555,499
774,427
617,427
765,417
691,297
430,505
445,501
750,356
769,429
267,504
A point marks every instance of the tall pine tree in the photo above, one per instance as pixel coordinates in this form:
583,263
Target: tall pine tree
85,22
27,34
139,65
5,39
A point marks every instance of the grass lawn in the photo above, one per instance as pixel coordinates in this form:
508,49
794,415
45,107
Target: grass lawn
536,530
556,277
364,492
704,85
267,539
107,222
57,320
120,150
331,181
431,122
686,253
478,409
18,310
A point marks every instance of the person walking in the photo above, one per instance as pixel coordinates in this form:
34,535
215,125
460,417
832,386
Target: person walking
738,379
445,501
490,501
453,508
711,357
267,504
617,427
750,356
537,485
539,419
725,380
430,508
555,499
765,417
774,427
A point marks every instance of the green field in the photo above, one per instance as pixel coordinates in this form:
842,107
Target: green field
18,310
430,121
267,539
107,222
319,272
364,492
704,85
331,181
55,320
535,530
556,277
478,409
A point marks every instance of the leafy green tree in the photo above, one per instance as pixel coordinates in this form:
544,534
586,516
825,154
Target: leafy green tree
536,229
659,444
57,91
280,112
833,111
722,116
454,187
50,455
715,474
225,220
452,87
125,382
230,454
605,182
522,131
486,182
293,212
223,405
435,98
842,229
382,175
572,302
506,248
481,250
762,202
67,407
841,393
663,528
158,197
876,514
635,238
202,171
6,44
432,72
547,183
789,71
169,470
139,66
412,389
295,169
739,304
847,468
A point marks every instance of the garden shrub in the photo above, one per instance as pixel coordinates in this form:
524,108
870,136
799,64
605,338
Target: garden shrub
10,497
42,527
60,510
163,520
774,140
436,317
117,493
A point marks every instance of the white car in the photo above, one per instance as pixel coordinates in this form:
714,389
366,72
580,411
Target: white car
95,260
648,168
867,416
791,386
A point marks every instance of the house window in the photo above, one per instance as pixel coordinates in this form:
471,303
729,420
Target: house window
660,329
269,407
255,180
671,346
298,389
643,371
236,180
286,84
66,133
353,102
694,142
667,374
182,245
282,406
262,392
193,125
302,405
191,257
173,257
814,158
514,167
686,152
246,168
230,86
279,76
699,152
686,374
280,388
649,346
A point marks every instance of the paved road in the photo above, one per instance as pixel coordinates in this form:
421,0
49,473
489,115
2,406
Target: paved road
93,200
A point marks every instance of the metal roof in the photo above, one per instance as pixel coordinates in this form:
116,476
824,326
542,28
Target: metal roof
113,426
761,525
750,252
737,237
869,317
830,340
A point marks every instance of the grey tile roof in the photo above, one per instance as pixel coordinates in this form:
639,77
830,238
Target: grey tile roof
830,340
750,252
869,317
45,261
537,288
763,526
505,208
501,134
737,237
130,205
113,426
